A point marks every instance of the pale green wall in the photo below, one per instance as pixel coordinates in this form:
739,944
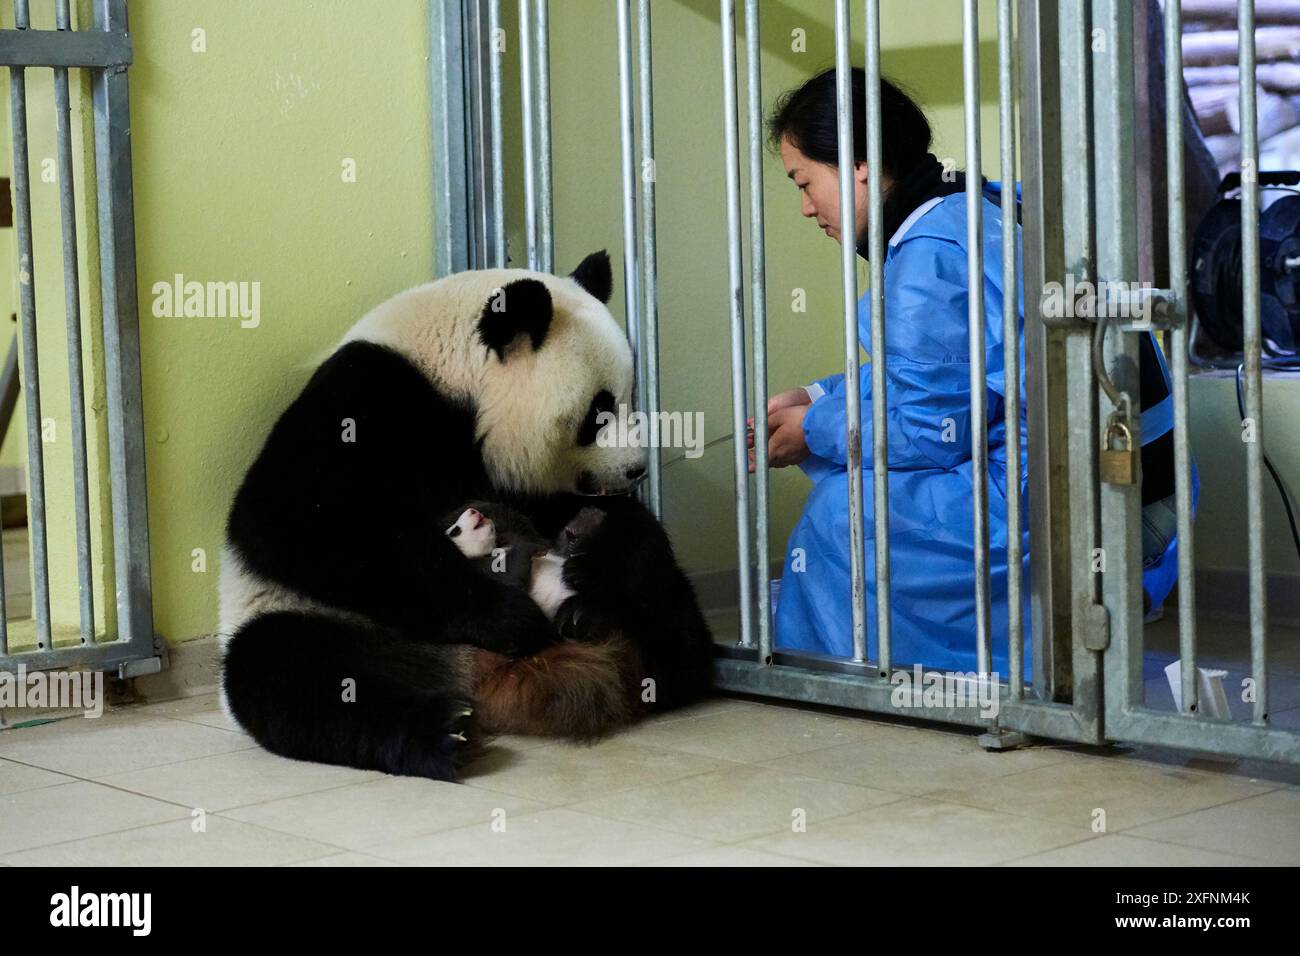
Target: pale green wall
238,163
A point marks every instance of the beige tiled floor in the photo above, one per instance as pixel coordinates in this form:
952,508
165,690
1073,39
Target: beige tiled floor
731,782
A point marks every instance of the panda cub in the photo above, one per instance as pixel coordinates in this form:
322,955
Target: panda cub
500,540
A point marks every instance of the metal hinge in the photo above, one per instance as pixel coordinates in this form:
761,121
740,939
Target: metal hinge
148,665
1096,631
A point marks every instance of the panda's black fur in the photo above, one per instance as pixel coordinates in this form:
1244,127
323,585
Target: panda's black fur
368,640
353,523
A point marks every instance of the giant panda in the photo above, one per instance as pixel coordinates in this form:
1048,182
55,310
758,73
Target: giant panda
354,632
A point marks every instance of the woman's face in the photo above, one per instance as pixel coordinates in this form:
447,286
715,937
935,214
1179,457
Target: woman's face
819,187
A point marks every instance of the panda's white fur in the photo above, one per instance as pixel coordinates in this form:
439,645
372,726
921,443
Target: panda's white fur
520,401
243,594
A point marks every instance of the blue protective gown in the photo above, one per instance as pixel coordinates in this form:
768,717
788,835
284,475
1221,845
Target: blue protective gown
931,493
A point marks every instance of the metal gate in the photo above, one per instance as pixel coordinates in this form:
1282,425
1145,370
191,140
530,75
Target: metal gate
105,51
1076,101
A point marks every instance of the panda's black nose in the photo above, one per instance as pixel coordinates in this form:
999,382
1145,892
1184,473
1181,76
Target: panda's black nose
635,473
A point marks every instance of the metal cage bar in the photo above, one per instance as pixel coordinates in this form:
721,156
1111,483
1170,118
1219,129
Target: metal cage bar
450,122
736,302
1011,341
758,296
30,376
627,167
1253,349
975,314
1173,40
649,257
546,202
849,295
498,178
879,397
528,114
72,299
1116,248
120,308
134,649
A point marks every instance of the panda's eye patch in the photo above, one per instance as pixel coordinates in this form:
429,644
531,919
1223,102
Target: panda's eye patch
603,402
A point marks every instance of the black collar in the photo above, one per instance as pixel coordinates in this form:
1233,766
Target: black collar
925,182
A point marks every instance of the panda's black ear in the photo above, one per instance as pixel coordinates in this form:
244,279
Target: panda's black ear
522,306
594,275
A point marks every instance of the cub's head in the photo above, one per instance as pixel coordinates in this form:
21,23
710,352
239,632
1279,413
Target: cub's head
555,387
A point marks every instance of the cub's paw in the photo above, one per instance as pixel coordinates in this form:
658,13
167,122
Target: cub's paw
548,589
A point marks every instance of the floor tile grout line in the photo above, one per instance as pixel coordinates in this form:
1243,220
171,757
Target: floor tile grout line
611,793
237,806
877,786
1132,758
724,842
89,836
1190,846
1029,816
1185,813
1086,838
267,826
136,718
701,773
1134,762
547,809
187,807
114,773
144,826
1133,836
1212,806
824,862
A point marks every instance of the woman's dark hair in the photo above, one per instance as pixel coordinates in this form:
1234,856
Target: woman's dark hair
807,116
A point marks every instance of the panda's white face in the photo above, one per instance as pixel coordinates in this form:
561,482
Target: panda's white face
540,358
556,393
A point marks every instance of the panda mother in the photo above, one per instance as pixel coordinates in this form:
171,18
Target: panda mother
354,632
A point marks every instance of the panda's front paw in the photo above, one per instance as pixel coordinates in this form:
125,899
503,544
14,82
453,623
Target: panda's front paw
548,589
521,628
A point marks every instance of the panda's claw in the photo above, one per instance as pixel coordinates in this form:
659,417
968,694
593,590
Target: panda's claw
460,737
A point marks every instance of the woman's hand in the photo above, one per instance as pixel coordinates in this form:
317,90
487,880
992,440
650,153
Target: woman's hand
792,398
785,439
787,399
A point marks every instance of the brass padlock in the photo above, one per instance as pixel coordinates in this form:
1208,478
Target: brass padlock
1120,460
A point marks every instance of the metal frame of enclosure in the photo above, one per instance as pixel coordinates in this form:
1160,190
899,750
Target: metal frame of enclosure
105,51
1075,138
